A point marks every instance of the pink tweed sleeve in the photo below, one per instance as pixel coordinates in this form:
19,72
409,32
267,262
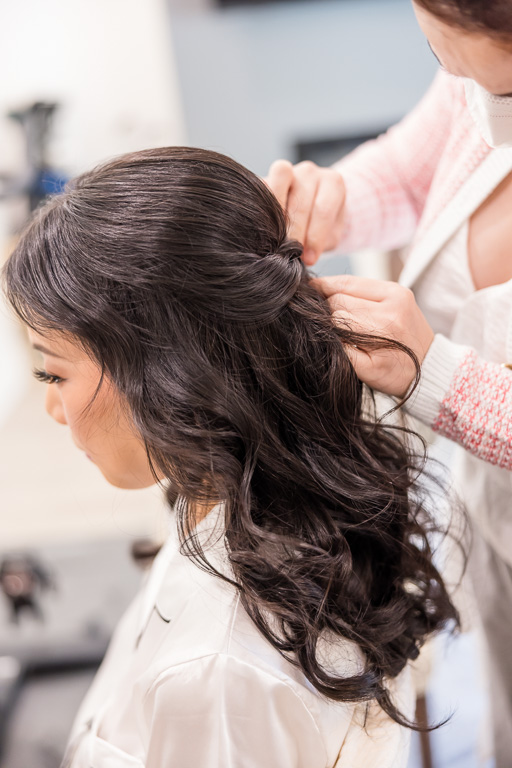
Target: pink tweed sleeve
388,180
477,410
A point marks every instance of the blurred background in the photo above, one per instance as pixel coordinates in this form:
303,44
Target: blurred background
87,79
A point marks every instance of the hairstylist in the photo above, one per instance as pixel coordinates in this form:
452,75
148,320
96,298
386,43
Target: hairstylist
441,182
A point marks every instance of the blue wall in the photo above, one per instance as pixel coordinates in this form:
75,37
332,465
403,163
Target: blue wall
256,80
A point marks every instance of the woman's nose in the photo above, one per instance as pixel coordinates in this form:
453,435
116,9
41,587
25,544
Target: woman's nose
53,405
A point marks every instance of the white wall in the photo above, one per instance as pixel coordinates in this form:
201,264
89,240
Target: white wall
257,79
110,63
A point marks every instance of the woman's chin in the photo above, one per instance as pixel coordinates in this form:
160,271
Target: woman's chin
127,482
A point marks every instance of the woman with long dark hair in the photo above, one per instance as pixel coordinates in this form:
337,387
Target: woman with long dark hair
184,342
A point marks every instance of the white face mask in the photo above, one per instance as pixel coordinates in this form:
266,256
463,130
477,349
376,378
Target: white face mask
492,114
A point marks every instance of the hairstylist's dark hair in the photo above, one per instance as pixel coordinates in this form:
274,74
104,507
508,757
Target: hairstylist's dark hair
492,17
173,269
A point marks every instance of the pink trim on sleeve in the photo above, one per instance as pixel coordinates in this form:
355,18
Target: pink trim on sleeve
477,411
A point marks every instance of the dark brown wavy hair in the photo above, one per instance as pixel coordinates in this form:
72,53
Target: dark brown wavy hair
493,17
173,268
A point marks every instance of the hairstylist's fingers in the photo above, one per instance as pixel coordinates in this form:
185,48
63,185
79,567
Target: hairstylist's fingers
358,322
280,180
326,221
360,315
368,365
389,369
301,201
386,370
362,287
355,355
398,318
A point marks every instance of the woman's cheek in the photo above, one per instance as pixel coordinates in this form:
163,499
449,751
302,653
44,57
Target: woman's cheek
81,430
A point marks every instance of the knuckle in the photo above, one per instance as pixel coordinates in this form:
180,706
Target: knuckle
336,304
336,178
336,285
324,212
409,298
307,167
281,163
399,293
281,168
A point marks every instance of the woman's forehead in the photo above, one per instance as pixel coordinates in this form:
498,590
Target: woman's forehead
56,344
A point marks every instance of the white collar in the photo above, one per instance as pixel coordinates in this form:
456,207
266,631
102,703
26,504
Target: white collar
492,170
211,535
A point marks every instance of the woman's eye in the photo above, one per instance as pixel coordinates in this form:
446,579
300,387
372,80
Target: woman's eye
47,378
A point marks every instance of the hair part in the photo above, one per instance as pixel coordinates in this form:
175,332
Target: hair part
174,269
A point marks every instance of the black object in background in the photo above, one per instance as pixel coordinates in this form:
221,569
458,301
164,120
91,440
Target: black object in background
37,179
48,657
326,151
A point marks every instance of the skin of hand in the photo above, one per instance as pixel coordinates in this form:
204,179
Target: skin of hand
383,309
314,199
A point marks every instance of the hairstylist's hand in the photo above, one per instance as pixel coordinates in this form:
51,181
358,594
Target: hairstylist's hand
385,309
314,199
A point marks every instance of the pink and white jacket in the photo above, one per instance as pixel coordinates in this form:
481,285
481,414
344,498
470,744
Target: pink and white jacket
416,186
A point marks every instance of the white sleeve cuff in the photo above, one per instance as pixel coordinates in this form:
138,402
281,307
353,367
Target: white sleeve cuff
437,371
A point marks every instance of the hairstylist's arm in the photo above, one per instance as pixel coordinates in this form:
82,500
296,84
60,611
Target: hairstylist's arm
461,396
375,196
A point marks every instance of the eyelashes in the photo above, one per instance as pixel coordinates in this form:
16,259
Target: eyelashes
45,377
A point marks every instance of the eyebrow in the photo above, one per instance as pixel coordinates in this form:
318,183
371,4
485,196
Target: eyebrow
45,351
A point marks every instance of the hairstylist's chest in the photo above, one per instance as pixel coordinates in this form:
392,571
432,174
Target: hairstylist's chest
490,238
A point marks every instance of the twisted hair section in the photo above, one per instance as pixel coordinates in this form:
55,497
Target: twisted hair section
173,268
